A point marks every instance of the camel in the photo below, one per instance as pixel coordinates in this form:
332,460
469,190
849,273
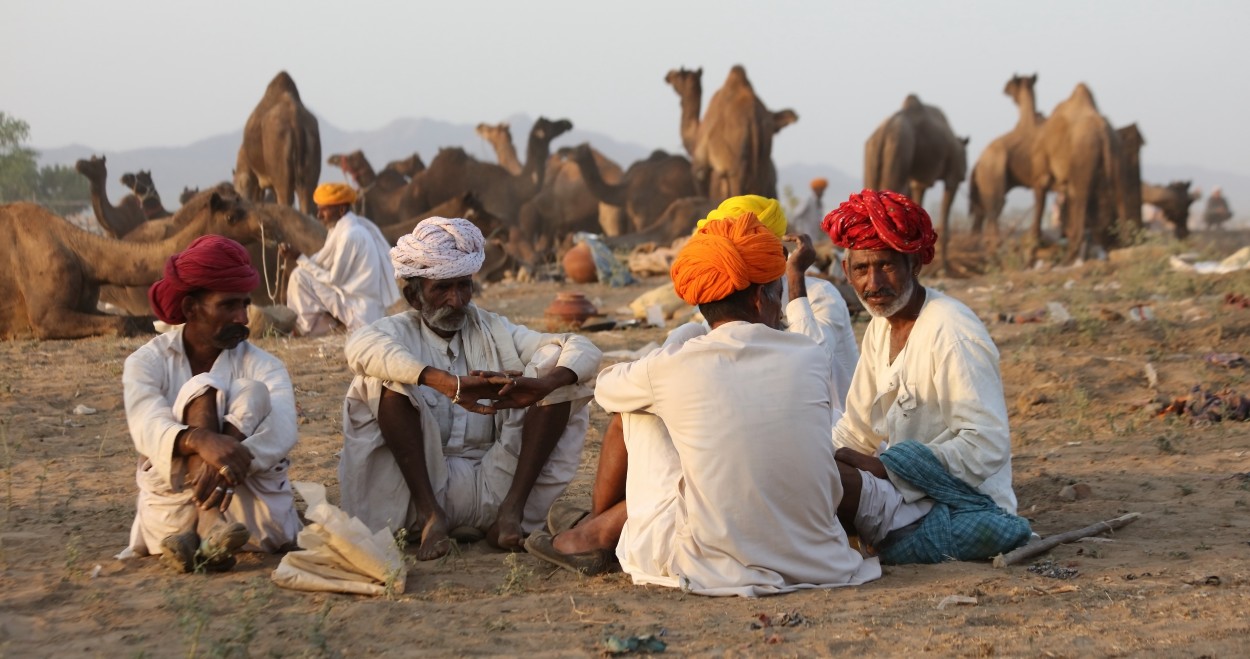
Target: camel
1074,153
1123,200
53,270
1174,200
647,188
499,136
281,148
677,221
466,206
689,87
380,195
733,145
187,193
1007,162
912,150
145,190
116,221
406,167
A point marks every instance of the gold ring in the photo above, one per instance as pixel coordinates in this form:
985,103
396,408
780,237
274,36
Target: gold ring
226,472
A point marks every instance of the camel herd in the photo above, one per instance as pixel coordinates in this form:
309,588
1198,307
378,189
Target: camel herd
59,275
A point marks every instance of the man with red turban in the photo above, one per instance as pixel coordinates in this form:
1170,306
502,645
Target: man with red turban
349,281
923,448
212,417
724,481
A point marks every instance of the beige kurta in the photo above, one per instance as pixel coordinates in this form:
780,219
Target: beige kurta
351,278
732,488
254,394
472,463
943,390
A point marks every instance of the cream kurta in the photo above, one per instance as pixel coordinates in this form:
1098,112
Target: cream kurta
472,464
255,395
943,390
742,500
350,277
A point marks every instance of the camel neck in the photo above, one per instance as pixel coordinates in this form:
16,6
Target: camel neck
1028,108
691,105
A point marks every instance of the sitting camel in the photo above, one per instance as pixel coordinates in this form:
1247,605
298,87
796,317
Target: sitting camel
52,271
647,188
406,167
117,221
381,194
1174,200
145,190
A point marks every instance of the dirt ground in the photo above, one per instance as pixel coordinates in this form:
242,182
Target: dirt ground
1175,583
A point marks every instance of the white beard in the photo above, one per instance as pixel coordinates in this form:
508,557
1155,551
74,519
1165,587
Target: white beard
894,307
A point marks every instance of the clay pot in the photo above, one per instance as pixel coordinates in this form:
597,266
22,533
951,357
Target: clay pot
579,265
568,311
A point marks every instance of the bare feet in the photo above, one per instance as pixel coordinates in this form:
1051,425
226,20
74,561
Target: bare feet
506,533
575,541
434,540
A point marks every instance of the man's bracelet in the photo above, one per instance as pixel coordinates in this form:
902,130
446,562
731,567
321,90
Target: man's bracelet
456,400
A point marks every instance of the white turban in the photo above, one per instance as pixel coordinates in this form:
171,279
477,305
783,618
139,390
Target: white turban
439,248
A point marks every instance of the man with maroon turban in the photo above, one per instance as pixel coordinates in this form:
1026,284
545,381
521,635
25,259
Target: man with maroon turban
212,417
923,447
724,480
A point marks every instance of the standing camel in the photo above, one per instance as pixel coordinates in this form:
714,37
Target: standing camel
1007,162
912,150
281,148
118,220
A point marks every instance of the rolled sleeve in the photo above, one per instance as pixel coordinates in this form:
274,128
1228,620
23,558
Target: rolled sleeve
371,351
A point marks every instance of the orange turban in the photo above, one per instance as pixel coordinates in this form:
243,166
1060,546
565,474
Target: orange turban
819,183
725,257
881,220
334,194
766,210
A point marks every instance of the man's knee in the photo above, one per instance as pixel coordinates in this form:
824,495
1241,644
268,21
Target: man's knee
247,404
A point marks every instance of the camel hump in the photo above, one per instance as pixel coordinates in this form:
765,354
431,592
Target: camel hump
738,76
912,103
282,84
1083,94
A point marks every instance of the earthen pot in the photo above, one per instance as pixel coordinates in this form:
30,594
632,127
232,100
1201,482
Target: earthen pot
579,265
568,311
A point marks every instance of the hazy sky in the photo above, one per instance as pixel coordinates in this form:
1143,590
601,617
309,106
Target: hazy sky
129,73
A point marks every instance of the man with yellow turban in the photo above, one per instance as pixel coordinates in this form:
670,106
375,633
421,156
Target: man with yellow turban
924,451
349,281
724,481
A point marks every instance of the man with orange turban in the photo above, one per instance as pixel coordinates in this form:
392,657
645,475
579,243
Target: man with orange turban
811,211
924,451
349,281
724,481
212,417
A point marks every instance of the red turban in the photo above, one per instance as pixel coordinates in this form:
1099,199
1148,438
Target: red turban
881,220
213,263
725,257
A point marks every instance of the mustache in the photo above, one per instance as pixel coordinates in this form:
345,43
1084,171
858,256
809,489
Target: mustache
232,332
881,292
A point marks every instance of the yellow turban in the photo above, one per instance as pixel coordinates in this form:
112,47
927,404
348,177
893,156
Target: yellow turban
725,257
334,194
766,210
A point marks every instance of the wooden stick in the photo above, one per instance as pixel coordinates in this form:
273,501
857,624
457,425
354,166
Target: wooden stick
1042,546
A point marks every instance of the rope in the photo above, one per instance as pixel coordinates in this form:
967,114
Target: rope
279,270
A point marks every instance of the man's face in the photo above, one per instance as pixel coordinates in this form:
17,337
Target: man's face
331,214
884,280
442,302
771,305
222,317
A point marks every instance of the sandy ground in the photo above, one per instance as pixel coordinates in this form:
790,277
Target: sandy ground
1175,583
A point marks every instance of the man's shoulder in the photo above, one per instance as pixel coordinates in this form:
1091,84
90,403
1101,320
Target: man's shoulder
948,314
156,348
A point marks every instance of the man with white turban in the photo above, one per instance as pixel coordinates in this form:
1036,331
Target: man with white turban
422,451
349,281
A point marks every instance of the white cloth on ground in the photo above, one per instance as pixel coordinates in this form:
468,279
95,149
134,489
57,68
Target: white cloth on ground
472,466
349,278
254,394
943,390
732,488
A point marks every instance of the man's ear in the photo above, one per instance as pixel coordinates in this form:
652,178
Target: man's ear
188,306
411,294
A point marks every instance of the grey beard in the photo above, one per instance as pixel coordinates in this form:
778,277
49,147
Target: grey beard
444,319
894,307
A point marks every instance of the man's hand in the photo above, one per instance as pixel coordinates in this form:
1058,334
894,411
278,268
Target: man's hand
217,451
212,490
860,461
803,255
287,250
517,391
471,388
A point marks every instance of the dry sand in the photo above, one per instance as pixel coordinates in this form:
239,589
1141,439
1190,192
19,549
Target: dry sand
1175,583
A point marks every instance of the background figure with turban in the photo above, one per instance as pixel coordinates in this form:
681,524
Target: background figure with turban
724,481
212,417
924,451
1217,211
421,450
350,279
811,211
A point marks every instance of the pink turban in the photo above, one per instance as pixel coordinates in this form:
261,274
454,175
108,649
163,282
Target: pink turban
881,220
212,263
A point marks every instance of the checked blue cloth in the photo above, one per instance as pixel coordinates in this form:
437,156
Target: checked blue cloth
964,524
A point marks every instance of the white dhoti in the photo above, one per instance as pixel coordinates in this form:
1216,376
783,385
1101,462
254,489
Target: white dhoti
883,509
263,501
652,502
316,304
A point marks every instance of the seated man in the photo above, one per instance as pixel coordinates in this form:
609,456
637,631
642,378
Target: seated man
924,437
213,418
420,452
350,280
724,482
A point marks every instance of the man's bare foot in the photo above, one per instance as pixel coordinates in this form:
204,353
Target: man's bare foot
435,542
576,540
506,533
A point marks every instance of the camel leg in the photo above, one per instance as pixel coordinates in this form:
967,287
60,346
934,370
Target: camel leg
948,199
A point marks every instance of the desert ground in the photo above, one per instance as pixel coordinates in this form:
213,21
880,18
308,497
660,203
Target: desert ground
1082,394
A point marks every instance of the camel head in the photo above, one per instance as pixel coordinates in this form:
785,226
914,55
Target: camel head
686,81
94,169
1175,205
547,130
128,180
353,164
784,118
141,184
1018,84
187,194
495,133
1131,137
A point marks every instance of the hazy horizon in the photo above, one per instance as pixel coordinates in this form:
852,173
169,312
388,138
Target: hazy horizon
167,75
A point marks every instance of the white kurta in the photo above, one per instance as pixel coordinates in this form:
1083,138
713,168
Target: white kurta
742,499
943,390
255,395
473,460
808,217
824,317
351,278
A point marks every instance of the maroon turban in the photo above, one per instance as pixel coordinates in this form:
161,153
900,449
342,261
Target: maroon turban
213,263
881,220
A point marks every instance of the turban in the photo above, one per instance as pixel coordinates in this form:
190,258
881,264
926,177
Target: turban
439,248
725,257
819,183
334,194
211,262
766,210
881,220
